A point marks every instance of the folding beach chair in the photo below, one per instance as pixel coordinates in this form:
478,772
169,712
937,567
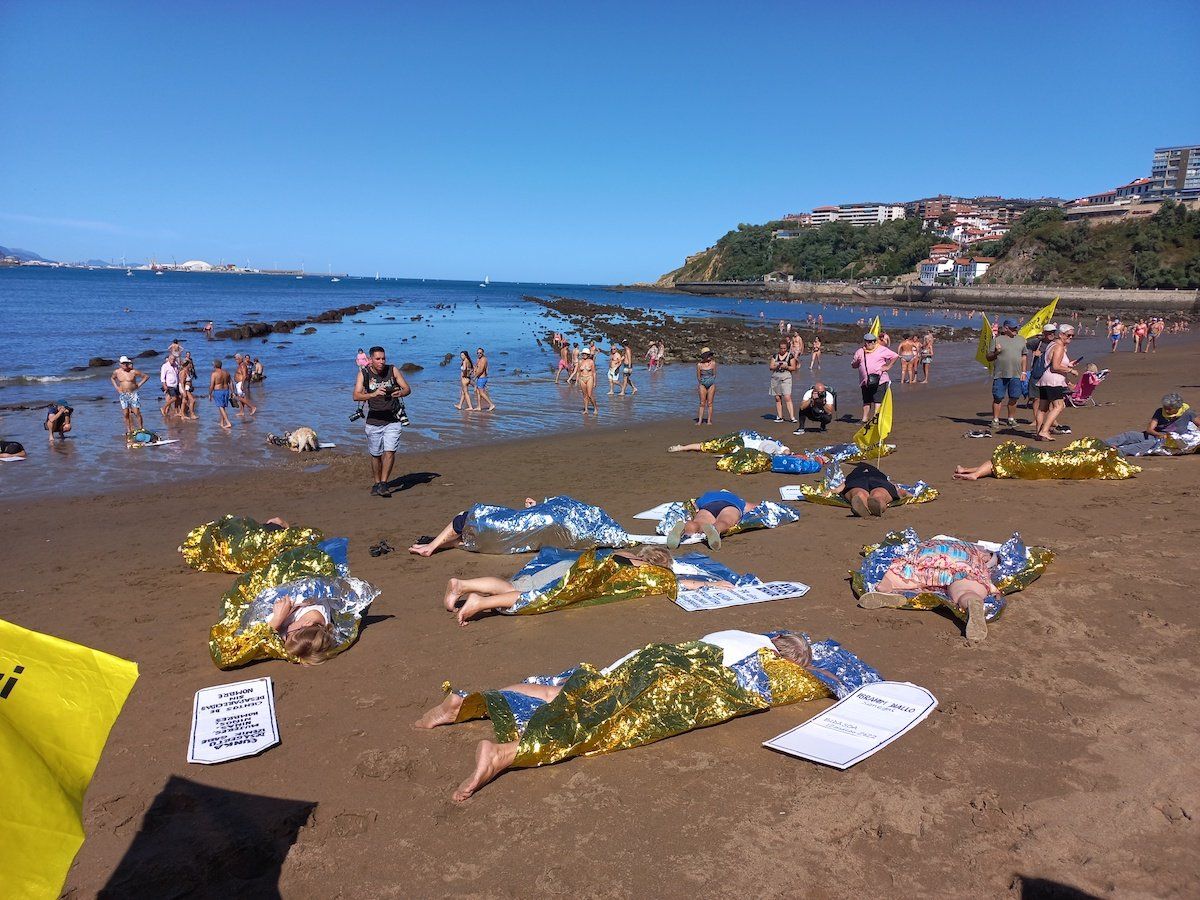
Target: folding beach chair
1082,395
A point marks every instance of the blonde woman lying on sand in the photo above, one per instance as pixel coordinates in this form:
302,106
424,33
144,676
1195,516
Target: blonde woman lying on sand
647,695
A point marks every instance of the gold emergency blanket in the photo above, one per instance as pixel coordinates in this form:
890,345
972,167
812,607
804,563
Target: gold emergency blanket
1082,459
230,649
822,494
745,462
238,544
661,691
726,443
592,580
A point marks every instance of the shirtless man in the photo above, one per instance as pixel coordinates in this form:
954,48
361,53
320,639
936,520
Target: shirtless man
564,362
127,380
627,371
176,349
241,380
218,391
481,381
587,382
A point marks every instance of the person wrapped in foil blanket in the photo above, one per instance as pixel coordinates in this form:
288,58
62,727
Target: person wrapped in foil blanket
239,543
717,514
1083,459
748,452
556,579
968,579
314,583
831,490
555,522
653,693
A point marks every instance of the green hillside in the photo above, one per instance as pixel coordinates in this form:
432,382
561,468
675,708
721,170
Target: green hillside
1159,251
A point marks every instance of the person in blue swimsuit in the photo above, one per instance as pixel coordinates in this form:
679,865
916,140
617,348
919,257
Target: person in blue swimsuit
706,379
716,513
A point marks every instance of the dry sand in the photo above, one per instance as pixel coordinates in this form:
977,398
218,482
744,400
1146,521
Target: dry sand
1063,752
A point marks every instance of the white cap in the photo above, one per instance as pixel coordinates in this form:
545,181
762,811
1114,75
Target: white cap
1050,327
124,359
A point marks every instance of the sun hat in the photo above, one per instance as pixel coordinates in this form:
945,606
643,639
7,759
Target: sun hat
1050,327
870,336
124,359
706,351
1066,329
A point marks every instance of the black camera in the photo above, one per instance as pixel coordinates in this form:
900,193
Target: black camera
357,414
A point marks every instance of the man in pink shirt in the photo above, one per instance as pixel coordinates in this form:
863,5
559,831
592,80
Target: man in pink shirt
873,360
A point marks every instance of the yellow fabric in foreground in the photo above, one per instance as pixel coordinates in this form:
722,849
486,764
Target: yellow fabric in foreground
54,723
591,581
239,544
663,690
745,462
818,493
985,343
229,649
1085,458
875,432
726,443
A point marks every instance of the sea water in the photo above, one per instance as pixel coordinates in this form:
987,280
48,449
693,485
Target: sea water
54,319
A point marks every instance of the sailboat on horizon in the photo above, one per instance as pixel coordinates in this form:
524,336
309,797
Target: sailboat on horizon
486,281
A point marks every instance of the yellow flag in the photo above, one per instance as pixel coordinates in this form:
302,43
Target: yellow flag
876,328
58,701
985,342
875,432
1040,320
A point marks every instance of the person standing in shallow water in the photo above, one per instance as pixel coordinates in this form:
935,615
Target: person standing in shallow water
706,381
627,371
218,391
466,373
587,382
481,382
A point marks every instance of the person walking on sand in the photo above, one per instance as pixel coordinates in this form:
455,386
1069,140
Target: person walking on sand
241,385
627,371
219,384
481,382
1010,362
168,379
127,380
615,358
381,386
782,365
1053,386
587,382
706,381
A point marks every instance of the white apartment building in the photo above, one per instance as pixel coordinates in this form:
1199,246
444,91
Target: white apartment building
1175,173
858,214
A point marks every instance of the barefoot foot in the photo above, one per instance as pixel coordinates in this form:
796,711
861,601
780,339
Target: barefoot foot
453,592
976,619
490,760
472,605
443,714
421,549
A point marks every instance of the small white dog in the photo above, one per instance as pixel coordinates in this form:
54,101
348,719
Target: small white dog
303,439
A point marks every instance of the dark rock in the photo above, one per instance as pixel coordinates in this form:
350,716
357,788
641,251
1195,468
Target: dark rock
146,354
309,330
446,359
97,362
411,367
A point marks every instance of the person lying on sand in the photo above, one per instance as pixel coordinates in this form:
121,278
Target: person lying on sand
1086,458
717,512
647,695
557,578
728,443
306,627
239,543
11,450
561,521
869,492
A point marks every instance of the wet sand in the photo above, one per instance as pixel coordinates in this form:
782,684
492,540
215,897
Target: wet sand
1062,752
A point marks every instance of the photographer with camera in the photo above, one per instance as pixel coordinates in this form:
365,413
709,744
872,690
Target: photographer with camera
818,405
381,386
873,361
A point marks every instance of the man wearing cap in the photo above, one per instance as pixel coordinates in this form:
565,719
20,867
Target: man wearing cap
126,380
168,379
1037,347
1010,362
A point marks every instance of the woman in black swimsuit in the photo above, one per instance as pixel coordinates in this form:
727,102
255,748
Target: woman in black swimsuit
466,373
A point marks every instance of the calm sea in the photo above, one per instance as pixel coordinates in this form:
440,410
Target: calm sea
53,319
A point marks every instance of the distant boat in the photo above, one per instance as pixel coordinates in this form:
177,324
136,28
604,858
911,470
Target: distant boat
159,272
335,279
299,277
376,276
129,272
486,281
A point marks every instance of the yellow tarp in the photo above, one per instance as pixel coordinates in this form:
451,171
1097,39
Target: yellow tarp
58,701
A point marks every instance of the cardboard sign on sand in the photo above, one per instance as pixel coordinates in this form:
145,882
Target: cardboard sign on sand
719,598
859,725
233,720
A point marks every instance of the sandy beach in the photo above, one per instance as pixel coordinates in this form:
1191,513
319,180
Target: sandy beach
1060,755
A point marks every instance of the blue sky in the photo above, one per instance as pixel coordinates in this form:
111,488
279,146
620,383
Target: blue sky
554,141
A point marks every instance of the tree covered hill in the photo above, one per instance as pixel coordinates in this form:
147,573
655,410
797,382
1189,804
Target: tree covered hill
1159,251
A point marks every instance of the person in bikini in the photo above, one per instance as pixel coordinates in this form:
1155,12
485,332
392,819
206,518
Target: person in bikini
127,380
466,373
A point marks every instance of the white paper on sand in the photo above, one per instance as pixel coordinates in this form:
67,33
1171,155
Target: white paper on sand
655,514
233,720
720,598
986,545
790,492
155,444
662,538
858,725
326,446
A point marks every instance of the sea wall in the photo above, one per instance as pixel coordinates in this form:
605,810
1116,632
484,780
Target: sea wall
1098,300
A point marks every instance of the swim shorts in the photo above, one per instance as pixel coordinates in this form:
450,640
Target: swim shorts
383,438
874,394
129,400
173,393
10,447
1002,385
221,397
481,383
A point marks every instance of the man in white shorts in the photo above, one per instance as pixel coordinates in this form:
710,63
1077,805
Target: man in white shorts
381,386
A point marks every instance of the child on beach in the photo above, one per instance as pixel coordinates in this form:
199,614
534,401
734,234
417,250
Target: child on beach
306,627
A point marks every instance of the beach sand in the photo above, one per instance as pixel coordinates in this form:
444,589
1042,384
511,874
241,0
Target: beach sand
1063,750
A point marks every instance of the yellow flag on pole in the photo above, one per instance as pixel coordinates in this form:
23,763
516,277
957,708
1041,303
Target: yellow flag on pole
1039,320
58,701
875,432
876,328
985,343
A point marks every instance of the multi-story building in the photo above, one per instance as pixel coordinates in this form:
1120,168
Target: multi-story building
967,269
803,220
858,214
1175,173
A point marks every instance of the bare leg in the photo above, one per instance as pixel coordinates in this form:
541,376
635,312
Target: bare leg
878,501
447,711
446,537
487,584
477,603
1050,418
857,498
968,596
962,473
490,760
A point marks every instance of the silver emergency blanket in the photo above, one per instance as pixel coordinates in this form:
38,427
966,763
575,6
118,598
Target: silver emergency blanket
768,514
557,522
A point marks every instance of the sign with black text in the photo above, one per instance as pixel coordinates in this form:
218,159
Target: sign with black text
231,721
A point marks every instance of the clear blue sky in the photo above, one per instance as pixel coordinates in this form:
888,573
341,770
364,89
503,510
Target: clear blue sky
554,141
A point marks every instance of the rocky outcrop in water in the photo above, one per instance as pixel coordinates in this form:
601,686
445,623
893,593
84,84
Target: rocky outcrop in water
249,330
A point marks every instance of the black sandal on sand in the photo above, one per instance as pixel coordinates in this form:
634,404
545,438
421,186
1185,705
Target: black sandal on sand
383,547
978,434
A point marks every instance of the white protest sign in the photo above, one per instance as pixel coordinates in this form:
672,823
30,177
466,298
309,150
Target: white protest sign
656,514
859,725
233,720
719,598
790,493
